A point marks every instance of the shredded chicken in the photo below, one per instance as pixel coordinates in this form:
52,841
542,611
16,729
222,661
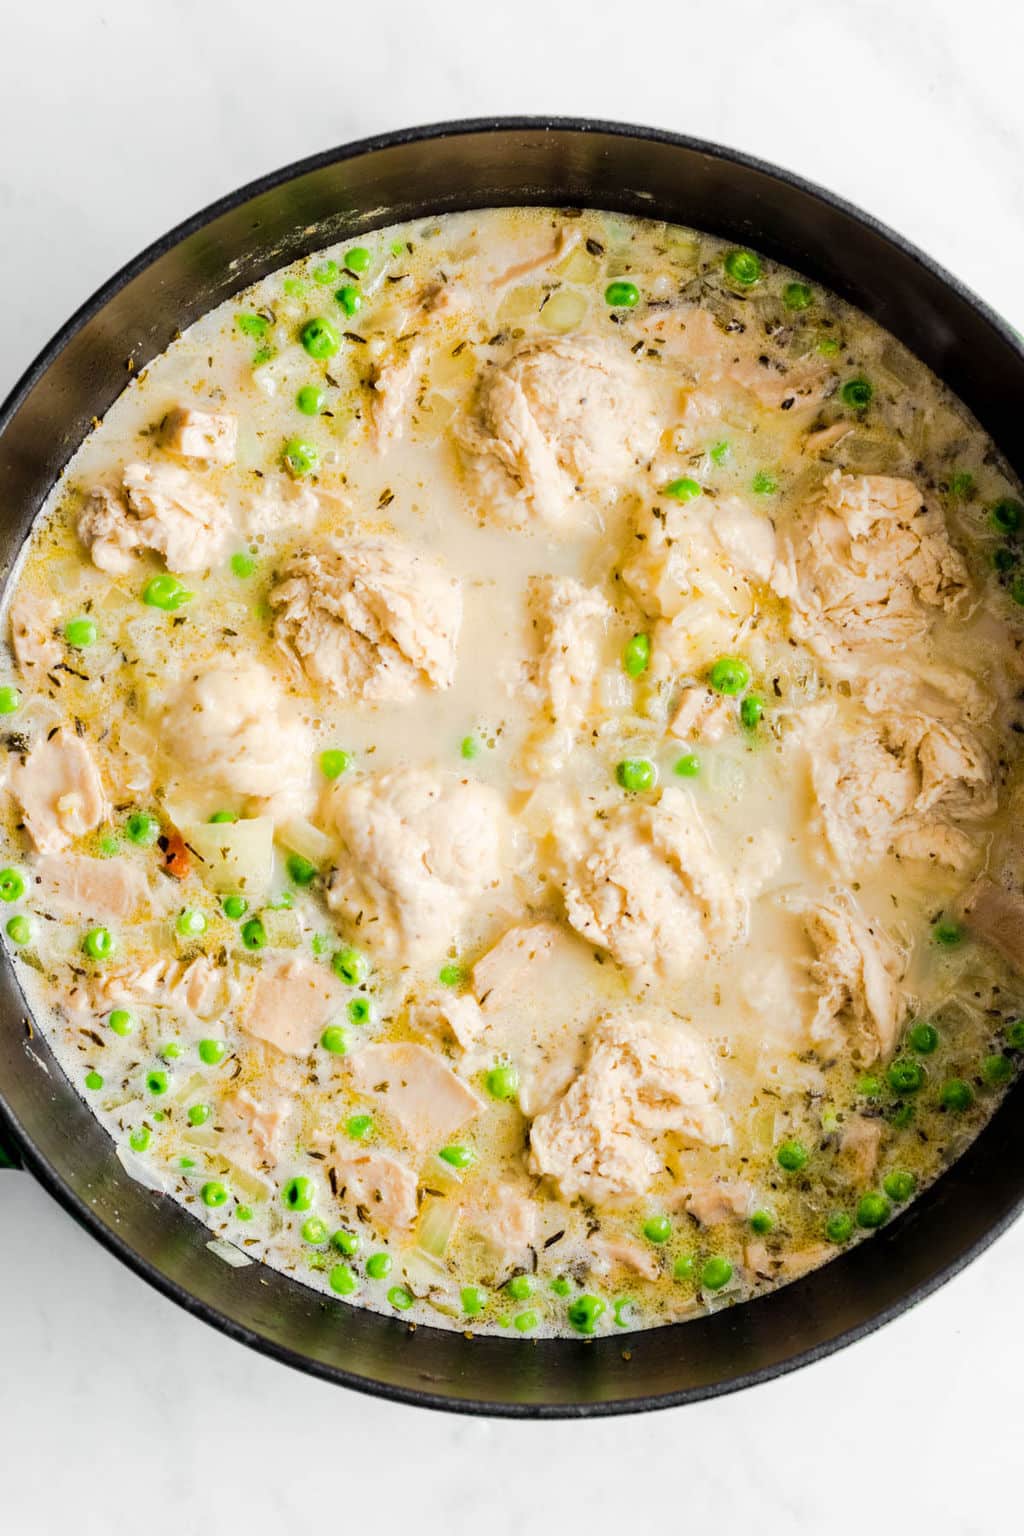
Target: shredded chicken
211,437
856,971
59,789
163,508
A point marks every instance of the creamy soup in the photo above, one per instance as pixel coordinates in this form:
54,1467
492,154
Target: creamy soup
511,734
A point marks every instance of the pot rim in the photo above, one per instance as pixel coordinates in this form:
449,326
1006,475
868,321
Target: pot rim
34,1160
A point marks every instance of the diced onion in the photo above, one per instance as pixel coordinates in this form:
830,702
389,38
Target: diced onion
229,1253
563,312
302,837
436,1226
237,856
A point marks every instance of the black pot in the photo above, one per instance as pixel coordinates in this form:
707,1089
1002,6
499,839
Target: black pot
83,370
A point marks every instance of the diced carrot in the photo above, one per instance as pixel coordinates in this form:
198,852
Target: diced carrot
177,857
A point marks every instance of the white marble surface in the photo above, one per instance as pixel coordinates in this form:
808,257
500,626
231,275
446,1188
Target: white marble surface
119,117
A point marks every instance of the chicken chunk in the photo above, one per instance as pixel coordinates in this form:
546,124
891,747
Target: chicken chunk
200,987
227,729
82,887
561,420
416,1090
282,504
385,1187
164,508
571,624
856,971
620,1252
902,784
714,1201
859,1146
703,715
261,1120
643,882
369,618
733,363
393,383
870,564
34,618
418,851
448,1017
640,1080
505,1218
59,789
209,436
289,1004
499,974
695,566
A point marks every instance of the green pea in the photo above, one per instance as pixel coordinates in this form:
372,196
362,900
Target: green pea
94,1081
1015,1034
166,593
687,766
1017,592
657,1229
191,923
905,1076
458,1156
857,393
636,774
764,483
899,1185
797,296
996,1070
198,1114
716,1273
335,1039
342,1280
947,933
525,1322
1004,559
347,1243
743,267
263,355
520,1287
502,1082
99,944
121,1022
314,1230
243,1212
360,1010
923,1038
171,1051
326,273
80,633
156,1081
252,325
839,1227
234,907
561,1285
683,490
10,700
752,711
873,1210
469,748
310,400
901,1116
242,564
720,453
142,829
12,885
961,485
792,1155
254,935
956,1095
359,1127
214,1193
140,1138
452,974
622,295
1007,514
637,655
729,675
333,763
301,870
223,818
828,346
378,1266
585,1313
400,1298
299,457
869,1086
358,259
299,1193
212,1052
109,845
350,965
350,299
473,1300
319,338
762,1222
19,929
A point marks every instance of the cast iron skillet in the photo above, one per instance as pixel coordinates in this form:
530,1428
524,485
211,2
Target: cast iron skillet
284,216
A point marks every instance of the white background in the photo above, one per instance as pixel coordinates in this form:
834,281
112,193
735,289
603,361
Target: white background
117,1412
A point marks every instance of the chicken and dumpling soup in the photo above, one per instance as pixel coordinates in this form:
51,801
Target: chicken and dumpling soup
511,760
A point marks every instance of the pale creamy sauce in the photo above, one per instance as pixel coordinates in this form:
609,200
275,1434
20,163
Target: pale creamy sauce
685,1093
